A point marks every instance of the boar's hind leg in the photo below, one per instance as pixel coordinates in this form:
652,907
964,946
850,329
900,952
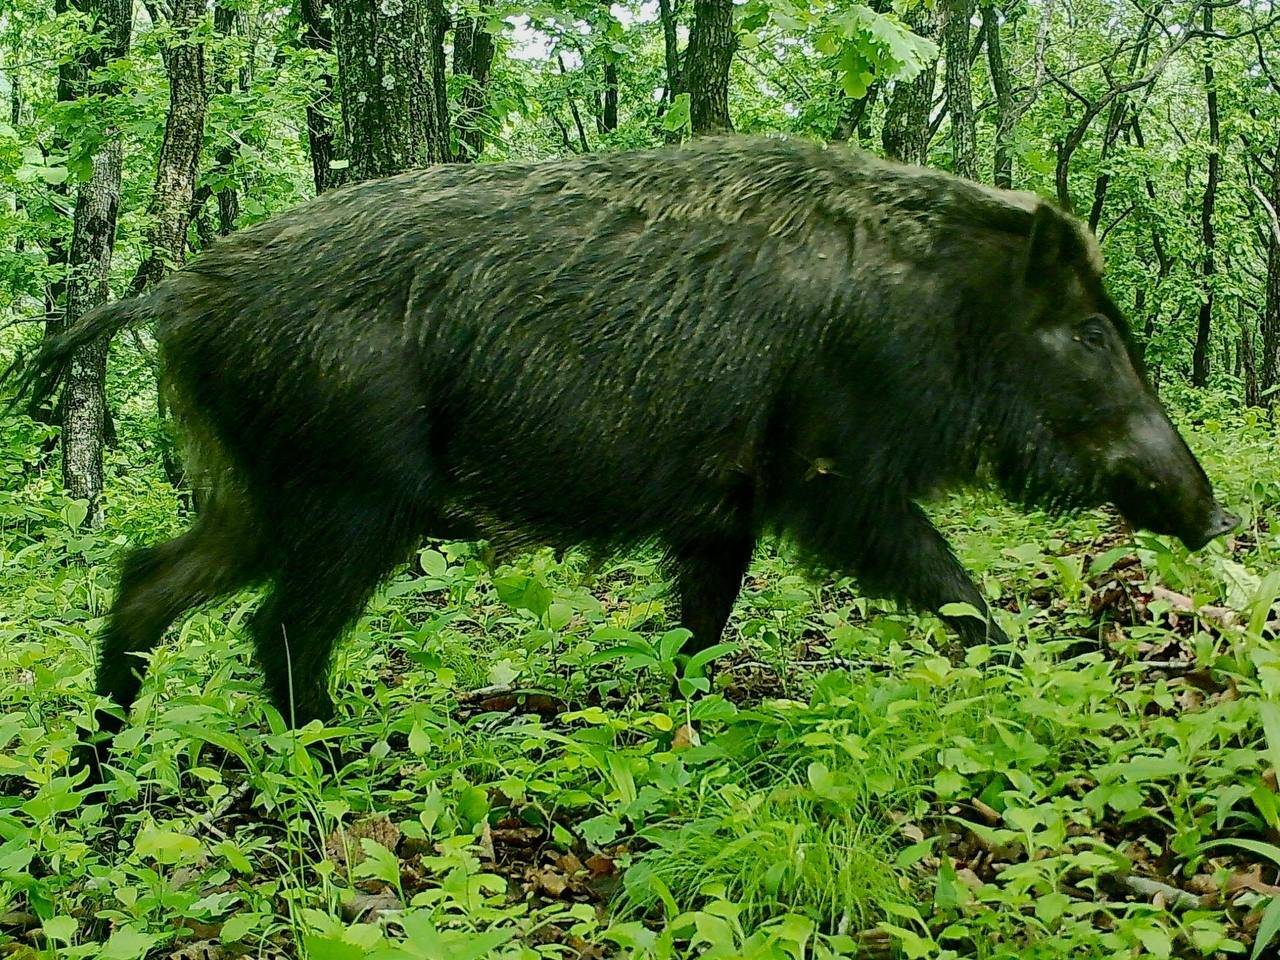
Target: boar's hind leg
708,575
902,555
158,584
325,571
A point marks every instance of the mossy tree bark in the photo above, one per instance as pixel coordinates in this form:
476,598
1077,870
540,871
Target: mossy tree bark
389,70
84,399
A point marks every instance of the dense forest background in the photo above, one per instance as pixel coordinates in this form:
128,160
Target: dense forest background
138,133
527,764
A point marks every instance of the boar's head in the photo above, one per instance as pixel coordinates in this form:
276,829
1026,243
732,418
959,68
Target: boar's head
1081,424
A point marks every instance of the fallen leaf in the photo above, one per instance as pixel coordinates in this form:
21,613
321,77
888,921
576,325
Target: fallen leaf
484,846
601,866
550,882
685,737
201,950
343,846
367,906
912,832
570,864
1250,879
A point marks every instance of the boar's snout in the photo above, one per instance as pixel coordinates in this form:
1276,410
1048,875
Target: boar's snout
1221,522
1158,484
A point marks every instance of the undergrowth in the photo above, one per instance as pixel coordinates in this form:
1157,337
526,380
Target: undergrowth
516,778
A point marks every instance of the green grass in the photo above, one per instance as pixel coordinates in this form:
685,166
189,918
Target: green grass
849,792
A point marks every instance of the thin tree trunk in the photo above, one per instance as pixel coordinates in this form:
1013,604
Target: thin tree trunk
387,56
670,48
1002,163
959,87
70,83
179,163
1269,365
84,396
1116,114
854,112
583,145
1248,360
473,51
1163,260
712,43
228,22
906,131
1204,323
326,145
437,27
609,112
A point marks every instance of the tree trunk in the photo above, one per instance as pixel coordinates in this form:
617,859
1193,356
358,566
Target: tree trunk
1204,324
1269,362
179,163
84,397
609,112
1002,164
712,43
959,87
473,51
670,48
70,82
583,145
387,53
854,112
1248,361
906,132
228,22
1116,115
326,146
437,27
1163,260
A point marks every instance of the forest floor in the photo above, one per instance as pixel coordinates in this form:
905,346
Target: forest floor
517,778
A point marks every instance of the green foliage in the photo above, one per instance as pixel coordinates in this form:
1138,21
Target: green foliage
845,790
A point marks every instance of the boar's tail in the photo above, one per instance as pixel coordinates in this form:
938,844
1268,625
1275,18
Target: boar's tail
35,375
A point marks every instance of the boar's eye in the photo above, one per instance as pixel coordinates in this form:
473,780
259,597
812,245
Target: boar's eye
1093,333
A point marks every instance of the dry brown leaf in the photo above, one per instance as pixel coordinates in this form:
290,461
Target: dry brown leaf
601,866
584,950
570,864
551,882
201,950
1203,885
343,846
685,737
1250,879
517,836
367,906
484,846
912,832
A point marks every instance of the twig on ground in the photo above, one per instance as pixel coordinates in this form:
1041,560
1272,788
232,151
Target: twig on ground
204,822
835,662
1147,888
1224,617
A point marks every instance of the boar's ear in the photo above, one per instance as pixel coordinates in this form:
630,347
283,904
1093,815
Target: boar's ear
1052,245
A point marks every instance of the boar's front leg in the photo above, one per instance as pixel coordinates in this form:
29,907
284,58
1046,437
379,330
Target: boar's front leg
708,577
900,554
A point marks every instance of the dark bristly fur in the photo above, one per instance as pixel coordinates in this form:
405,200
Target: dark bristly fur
691,347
